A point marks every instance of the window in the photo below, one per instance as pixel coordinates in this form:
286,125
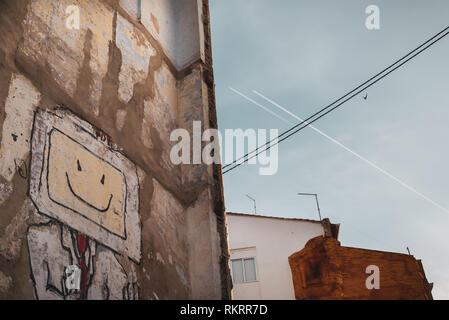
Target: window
244,270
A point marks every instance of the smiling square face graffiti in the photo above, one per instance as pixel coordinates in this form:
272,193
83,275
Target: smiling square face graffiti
90,193
83,182
80,181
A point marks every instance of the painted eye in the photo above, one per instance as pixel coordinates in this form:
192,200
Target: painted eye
102,179
79,166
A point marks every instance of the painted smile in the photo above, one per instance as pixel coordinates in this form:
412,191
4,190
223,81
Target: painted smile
84,201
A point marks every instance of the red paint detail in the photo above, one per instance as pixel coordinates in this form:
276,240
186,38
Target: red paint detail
103,137
83,278
82,245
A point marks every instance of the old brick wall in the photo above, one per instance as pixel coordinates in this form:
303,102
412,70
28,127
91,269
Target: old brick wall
325,270
119,94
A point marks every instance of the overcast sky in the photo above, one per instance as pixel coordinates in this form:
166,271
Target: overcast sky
305,54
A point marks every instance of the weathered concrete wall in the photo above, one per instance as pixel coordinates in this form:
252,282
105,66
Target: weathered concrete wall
324,270
85,173
175,24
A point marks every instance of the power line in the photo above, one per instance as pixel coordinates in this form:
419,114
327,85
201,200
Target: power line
350,92
367,84
360,157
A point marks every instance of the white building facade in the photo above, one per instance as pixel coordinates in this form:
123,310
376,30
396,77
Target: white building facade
260,247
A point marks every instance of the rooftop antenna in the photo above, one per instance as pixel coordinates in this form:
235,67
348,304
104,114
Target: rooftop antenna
139,10
316,199
254,200
409,251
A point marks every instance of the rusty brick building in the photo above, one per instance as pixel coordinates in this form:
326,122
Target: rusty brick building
325,270
89,94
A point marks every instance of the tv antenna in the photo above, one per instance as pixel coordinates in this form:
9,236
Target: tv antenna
254,200
316,199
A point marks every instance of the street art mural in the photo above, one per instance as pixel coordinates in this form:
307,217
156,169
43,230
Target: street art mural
90,240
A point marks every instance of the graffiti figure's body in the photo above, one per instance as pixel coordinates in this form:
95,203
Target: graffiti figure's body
102,277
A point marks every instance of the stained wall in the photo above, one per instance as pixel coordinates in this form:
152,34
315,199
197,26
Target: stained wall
85,171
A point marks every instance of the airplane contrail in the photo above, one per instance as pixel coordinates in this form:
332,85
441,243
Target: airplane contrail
259,105
370,163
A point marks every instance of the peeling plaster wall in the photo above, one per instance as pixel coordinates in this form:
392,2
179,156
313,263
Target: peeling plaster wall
20,104
86,116
136,55
175,23
48,43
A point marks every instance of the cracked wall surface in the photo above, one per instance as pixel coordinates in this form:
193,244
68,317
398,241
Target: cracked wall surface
85,171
